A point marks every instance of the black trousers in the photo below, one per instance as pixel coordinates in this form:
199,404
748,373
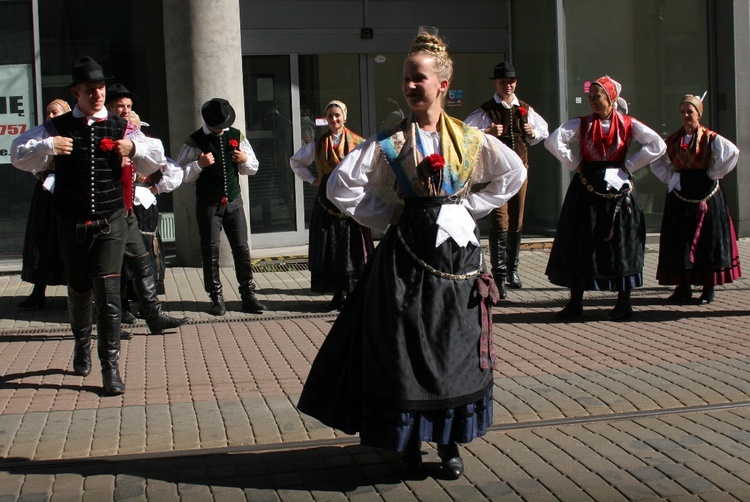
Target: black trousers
213,218
91,250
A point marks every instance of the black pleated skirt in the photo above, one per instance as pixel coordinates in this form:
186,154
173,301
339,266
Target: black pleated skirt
42,261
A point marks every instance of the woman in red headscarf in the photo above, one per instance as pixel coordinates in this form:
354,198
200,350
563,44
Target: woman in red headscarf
600,238
698,244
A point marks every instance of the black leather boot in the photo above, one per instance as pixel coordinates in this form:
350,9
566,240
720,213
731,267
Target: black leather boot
498,242
452,465
244,271
212,280
682,294
80,308
707,295
107,299
37,298
145,289
514,254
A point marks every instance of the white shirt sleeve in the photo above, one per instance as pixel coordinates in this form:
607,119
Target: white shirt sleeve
149,153
653,147
300,162
33,150
724,156
558,143
171,179
540,127
188,159
250,166
347,187
479,119
504,172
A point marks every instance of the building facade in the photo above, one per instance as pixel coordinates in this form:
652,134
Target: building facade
281,61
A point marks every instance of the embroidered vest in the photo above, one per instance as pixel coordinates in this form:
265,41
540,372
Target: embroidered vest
513,134
693,156
87,182
613,147
220,179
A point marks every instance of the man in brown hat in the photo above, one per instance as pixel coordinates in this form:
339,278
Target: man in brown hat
88,145
517,125
214,157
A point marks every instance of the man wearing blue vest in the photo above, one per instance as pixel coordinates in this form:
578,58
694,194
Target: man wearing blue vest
214,157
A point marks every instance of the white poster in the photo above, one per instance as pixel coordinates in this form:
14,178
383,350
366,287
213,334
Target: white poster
16,105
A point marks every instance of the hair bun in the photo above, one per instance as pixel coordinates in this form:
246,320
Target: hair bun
430,44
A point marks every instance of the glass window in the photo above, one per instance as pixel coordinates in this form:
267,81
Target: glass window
658,51
322,79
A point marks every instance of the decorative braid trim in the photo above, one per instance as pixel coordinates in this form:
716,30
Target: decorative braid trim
704,199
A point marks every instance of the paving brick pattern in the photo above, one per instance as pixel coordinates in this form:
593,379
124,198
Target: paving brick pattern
654,408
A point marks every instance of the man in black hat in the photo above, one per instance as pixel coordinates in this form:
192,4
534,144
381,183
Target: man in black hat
88,145
138,262
215,156
517,125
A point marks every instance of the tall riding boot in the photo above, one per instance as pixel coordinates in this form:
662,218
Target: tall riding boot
574,308
80,308
498,241
145,289
107,298
243,269
623,309
212,280
514,254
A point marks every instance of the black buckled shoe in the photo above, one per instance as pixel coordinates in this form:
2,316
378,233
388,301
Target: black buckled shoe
452,465
681,294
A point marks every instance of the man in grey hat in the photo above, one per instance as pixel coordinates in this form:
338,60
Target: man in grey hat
214,157
88,145
517,125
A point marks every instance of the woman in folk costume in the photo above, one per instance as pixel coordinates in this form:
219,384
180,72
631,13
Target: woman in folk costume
698,244
42,261
601,234
338,245
410,358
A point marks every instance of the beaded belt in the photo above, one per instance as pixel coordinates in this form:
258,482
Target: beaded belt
704,199
341,216
607,195
433,270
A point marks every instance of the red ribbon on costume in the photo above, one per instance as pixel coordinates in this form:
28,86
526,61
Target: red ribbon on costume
702,210
487,290
127,176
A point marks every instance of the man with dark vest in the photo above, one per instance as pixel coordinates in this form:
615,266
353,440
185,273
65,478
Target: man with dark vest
88,145
214,157
517,125
137,260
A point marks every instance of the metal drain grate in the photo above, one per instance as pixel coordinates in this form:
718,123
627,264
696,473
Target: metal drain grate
279,266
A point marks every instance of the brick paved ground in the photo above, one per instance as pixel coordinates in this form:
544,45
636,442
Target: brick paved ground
654,408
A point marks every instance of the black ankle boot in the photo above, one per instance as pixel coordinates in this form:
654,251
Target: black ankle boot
452,465
412,458
513,257
217,304
707,296
623,309
574,308
36,299
681,294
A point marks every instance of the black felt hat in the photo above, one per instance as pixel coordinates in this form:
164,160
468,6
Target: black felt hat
117,91
504,70
86,70
218,113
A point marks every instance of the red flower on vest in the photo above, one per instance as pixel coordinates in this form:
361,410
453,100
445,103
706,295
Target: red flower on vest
522,111
107,145
234,144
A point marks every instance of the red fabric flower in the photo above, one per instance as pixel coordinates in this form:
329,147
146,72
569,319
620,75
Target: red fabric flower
234,144
223,202
106,145
435,162
522,111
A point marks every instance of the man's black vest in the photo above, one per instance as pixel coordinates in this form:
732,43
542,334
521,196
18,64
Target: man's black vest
87,182
220,179
513,135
